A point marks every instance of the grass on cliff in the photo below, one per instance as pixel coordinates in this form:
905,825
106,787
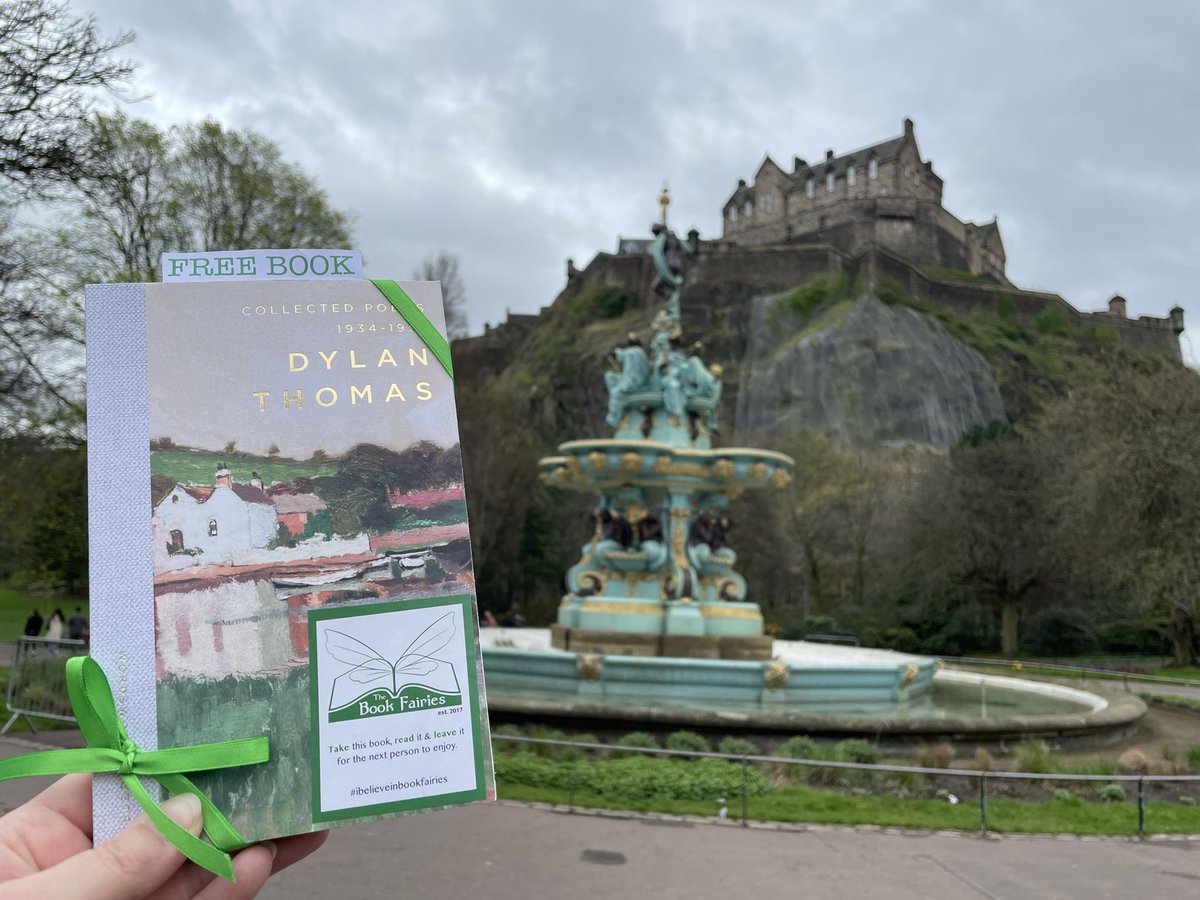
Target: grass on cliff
1033,361
589,324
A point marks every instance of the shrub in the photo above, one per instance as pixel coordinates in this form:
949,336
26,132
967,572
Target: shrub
935,756
971,626
1059,631
1133,762
798,747
546,733
637,739
1193,757
1112,793
1185,800
983,759
577,753
736,746
599,302
1035,756
1053,320
645,777
856,750
508,730
688,741
1062,795
903,639
527,768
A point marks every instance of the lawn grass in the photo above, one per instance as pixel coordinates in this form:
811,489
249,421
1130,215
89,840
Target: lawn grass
15,606
805,804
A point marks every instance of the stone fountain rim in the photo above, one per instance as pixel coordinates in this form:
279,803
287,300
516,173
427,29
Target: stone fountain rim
1121,712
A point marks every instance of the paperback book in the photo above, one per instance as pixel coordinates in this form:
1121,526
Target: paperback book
279,545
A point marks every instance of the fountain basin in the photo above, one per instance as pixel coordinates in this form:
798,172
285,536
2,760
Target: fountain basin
805,688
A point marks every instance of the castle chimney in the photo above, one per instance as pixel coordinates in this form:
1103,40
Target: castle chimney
741,183
828,155
1116,306
256,480
908,127
693,237
798,164
223,476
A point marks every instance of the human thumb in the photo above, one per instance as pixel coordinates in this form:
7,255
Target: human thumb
131,865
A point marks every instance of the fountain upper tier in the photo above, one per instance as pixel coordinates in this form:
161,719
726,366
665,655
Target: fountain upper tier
610,464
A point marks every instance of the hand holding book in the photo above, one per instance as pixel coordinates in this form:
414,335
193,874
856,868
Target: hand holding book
46,851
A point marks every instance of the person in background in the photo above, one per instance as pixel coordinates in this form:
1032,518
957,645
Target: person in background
77,625
33,625
54,629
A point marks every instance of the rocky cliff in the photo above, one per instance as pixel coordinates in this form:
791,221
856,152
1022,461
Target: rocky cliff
864,373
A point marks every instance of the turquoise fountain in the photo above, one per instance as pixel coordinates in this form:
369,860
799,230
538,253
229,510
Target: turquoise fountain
657,627
656,614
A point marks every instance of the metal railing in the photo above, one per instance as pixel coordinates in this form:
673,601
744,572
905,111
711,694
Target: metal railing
1021,666
37,681
981,776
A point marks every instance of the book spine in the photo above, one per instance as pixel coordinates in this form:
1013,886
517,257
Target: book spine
121,576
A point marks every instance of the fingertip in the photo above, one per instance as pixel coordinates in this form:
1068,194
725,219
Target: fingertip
185,811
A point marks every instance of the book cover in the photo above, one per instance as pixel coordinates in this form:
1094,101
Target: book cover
280,546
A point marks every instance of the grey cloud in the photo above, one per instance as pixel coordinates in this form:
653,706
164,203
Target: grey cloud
520,133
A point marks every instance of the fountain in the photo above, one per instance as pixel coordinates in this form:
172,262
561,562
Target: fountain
656,626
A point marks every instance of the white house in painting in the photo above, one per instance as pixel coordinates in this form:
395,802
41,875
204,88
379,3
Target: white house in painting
195,524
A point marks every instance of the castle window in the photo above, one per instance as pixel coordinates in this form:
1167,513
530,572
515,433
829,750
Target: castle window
748,209
851,176
212,527
174,498
872,168
829,181
731,214
767,202
810,187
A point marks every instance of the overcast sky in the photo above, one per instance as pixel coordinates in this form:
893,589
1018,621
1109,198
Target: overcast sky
518,134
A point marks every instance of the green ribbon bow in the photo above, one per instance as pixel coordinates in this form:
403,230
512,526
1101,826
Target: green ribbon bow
111,750
420,324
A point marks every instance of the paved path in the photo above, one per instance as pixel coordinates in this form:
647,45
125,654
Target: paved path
512,852
507,852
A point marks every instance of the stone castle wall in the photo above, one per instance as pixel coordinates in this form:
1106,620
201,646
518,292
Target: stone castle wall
771,269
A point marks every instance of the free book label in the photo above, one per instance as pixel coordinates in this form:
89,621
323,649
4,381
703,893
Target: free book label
394,707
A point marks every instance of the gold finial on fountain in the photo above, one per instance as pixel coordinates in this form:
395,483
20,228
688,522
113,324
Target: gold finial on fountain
664,200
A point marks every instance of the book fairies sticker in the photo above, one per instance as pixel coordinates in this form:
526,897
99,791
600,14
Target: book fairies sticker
395,707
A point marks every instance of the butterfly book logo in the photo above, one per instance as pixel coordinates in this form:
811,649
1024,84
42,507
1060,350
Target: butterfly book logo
375,686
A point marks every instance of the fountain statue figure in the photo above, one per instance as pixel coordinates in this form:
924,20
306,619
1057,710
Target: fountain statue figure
657,576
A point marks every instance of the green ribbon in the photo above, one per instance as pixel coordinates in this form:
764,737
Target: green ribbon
416,319
111,750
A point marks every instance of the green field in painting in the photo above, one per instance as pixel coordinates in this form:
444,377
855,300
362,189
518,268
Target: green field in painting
261,801
199,466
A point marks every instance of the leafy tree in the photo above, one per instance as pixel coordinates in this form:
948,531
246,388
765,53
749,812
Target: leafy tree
443,267
50,63
979,531
192,188
1127,490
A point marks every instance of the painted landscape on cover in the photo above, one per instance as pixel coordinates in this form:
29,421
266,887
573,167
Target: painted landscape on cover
300,461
